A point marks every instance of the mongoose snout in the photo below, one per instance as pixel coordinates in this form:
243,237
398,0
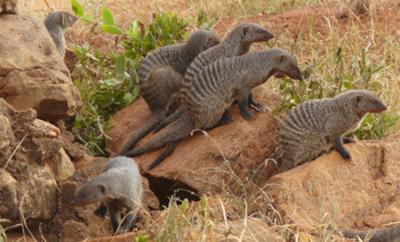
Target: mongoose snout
261,34
377,107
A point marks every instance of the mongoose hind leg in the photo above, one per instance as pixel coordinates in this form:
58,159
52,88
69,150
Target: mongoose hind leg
340,148
167,152
101,211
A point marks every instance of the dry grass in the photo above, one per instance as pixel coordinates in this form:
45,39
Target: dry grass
366,43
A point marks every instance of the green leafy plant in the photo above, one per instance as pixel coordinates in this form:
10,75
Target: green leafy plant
108,81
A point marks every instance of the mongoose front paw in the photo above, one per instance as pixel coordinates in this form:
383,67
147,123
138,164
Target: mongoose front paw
345,154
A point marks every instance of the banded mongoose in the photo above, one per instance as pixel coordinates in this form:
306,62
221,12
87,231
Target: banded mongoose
56,23
118,188
214,89
8,6
316,126
236,43
161,74
386,234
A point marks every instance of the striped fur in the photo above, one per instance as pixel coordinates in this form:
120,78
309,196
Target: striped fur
161,74
315,126
236,43
216,87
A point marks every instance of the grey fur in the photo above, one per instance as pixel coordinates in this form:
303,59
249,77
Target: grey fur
315,126
386,234
236,43
161,74
215,88
56,23
119,187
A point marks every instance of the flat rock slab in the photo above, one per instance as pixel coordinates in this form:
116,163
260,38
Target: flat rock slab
205,162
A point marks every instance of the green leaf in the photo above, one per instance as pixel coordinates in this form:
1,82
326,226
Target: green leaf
120,63
108,18
77,8
112,29
88,19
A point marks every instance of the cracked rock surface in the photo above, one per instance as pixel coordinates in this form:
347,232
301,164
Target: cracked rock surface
32,72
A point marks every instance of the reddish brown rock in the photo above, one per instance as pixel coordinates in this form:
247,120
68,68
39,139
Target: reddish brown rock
332,190
32,73
206,162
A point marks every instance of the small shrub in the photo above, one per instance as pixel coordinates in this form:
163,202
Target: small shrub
108,81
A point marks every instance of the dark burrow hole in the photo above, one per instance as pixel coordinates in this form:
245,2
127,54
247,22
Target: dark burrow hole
165,189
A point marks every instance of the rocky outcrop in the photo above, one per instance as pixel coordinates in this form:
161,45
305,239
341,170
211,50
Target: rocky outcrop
205,162
32,73
350,194
32,161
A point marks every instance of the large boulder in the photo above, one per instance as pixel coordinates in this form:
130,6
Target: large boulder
204,163
32,162
332,190
32,72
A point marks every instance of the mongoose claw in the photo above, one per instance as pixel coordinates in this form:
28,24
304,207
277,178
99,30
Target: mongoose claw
244,110
257,107
254,105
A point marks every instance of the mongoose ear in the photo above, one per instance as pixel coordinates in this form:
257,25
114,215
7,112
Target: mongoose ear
245,30
358,99
101,188
62,19
282,58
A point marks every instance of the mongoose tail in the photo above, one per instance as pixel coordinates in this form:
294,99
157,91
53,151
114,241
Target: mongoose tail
141,132
171,81
174,132
161,75
386,234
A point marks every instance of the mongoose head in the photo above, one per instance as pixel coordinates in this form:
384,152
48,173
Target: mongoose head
250,32
201,40
362,102
90,192
63,19
286,64
67,19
